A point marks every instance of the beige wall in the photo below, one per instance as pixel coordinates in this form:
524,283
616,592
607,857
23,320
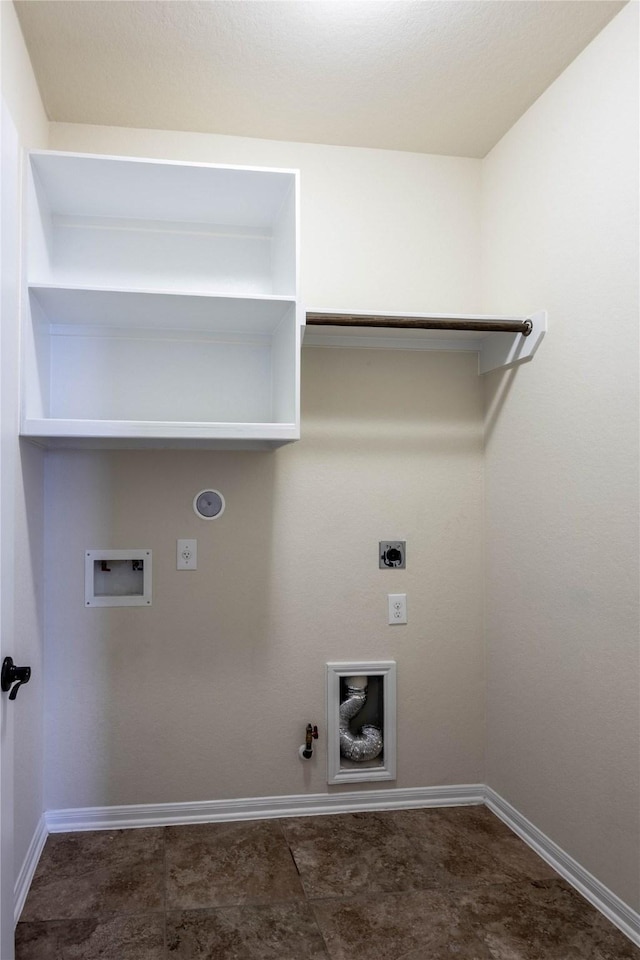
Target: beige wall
561,231
206,694
22,492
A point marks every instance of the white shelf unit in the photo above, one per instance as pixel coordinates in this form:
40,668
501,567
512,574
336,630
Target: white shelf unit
162,305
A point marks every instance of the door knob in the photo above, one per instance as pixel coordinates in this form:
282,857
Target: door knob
11,674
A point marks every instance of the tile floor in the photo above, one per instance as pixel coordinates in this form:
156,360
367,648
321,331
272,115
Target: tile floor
402,885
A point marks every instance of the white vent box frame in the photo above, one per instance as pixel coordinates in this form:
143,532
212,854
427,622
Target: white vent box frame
378,710
117,578
162,305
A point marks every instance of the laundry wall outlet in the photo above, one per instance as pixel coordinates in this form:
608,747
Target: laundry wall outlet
392,554
397,608
187,555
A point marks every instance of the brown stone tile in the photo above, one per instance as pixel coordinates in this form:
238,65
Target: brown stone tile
545,920
276,932
413,926
474,821
352,853
225,864
99,873
113,938
469,844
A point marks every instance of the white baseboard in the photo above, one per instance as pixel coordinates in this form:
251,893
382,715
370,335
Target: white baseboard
28,867
614,909
259,808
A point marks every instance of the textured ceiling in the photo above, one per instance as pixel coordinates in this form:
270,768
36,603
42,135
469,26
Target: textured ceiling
448,77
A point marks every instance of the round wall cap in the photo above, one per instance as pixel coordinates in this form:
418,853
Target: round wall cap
208,504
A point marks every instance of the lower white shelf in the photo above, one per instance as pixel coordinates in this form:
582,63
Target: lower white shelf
131,434
146,368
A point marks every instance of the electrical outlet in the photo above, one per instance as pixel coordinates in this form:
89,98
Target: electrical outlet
187,555
397,608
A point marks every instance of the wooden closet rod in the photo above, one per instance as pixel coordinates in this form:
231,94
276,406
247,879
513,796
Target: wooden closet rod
418,323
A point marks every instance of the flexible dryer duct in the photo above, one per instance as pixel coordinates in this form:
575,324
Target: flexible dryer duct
368,743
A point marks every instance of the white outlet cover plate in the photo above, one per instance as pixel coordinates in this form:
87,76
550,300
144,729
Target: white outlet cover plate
397,608
186,554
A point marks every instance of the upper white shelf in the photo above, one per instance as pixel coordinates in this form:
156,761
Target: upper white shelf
128,188
122,223
401,331
162,304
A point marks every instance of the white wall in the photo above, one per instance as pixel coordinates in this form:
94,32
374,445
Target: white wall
206,694
22,506
560,219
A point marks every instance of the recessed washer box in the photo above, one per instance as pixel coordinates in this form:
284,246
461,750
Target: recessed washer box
375,706
117,578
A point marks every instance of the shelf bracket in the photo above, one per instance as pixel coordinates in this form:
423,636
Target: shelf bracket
503,350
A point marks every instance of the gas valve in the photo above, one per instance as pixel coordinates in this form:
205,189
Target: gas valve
311,734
